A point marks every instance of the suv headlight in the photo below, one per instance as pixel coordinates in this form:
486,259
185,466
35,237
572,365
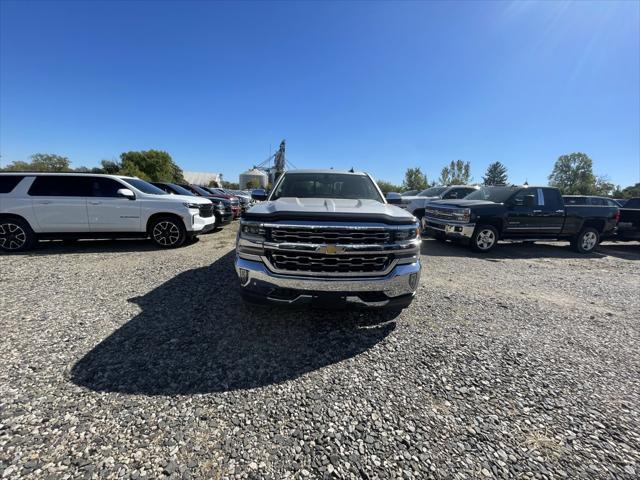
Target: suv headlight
192,205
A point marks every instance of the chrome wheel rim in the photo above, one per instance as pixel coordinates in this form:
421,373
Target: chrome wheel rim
485,239
589,240
12,236
166,233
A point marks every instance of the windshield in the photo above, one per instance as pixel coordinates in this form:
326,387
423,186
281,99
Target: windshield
491,194
201,191
180,190
144,187
432,192
326,185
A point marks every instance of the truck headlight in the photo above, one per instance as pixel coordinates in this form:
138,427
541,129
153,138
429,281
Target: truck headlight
407,233
462,215
195,206
252,230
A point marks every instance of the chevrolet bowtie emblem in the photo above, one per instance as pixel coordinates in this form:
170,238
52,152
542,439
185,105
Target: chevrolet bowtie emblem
330,249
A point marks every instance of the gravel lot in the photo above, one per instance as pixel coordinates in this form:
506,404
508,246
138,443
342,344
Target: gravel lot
122,361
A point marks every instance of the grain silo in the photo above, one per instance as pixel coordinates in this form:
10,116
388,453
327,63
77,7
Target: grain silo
255,176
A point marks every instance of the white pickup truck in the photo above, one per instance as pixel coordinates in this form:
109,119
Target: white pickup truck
328,237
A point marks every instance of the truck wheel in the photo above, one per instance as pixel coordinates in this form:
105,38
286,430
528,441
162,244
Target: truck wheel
586,241
15,235
167,232
484,238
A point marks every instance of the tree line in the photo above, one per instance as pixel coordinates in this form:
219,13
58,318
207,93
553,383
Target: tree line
572,174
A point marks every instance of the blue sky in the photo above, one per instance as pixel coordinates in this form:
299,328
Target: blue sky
377,86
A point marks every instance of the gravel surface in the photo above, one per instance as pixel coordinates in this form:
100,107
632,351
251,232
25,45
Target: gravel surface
122,361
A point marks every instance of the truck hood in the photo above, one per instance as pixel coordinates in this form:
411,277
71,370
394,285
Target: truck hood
461,203
412,198
183,199
329,209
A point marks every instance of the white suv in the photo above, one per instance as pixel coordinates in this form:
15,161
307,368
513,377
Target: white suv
73,205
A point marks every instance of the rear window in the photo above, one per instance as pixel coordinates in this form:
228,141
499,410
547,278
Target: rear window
9,182
60,186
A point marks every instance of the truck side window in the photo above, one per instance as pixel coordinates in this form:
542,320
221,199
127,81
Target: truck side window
552,199
105,187
518,200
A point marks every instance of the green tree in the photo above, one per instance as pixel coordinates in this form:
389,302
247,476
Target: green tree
251,184
632,191
604,186
496,174
573,174
387,187
457,172
414,179
41,162
230,185
154,165
110,166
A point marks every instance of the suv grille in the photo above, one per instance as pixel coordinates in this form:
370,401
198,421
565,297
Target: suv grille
206,210
320,263
330,235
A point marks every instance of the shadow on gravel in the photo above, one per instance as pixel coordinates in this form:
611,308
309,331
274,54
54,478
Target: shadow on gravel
195,335
431,247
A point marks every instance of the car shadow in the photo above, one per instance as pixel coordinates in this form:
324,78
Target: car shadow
195,335
507,250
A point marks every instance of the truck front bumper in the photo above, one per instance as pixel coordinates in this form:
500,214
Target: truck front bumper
396,289
431,226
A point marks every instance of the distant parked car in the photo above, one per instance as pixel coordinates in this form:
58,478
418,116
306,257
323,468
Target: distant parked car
409,193
221,207
37,206
629,223
200,191
590,200
245,201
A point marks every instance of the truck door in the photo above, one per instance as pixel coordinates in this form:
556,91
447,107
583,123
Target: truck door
552,211
523,214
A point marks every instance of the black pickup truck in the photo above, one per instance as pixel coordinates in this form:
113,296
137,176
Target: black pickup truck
629,224
518,213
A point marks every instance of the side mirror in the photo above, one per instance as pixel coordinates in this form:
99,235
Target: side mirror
259,194
529,201
126,193
394,198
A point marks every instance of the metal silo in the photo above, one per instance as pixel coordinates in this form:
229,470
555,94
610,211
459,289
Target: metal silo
257,176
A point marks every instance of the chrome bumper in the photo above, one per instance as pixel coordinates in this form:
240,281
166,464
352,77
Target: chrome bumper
450,229
396,287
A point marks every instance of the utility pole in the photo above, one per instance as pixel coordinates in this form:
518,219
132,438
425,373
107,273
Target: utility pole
279,162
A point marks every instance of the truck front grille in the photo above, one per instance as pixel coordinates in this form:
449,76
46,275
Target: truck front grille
330,235
438,213
321,263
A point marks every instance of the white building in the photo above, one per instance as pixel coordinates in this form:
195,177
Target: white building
202,178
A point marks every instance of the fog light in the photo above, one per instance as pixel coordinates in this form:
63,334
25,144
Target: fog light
413,281
458,229
244,276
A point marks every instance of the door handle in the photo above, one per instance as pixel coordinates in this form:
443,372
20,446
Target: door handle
537,211
560,211
44,202
95,203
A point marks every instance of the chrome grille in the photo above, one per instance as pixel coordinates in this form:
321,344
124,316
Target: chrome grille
438,213
330,235
321,263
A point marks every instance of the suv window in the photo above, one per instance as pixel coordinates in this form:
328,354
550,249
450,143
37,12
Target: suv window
60,186
597,201
9,182
105,187
552,199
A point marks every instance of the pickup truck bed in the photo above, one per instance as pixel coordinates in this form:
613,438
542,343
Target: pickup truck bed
629,224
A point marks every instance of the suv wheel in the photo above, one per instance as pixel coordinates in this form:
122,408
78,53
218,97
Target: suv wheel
15,235
586,241
167,232
484,238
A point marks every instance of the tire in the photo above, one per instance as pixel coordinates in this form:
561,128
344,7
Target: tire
167,232
484,238
586,241
15,235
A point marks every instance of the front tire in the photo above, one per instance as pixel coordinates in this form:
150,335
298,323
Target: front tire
15,235
484,238
586,241
167,232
